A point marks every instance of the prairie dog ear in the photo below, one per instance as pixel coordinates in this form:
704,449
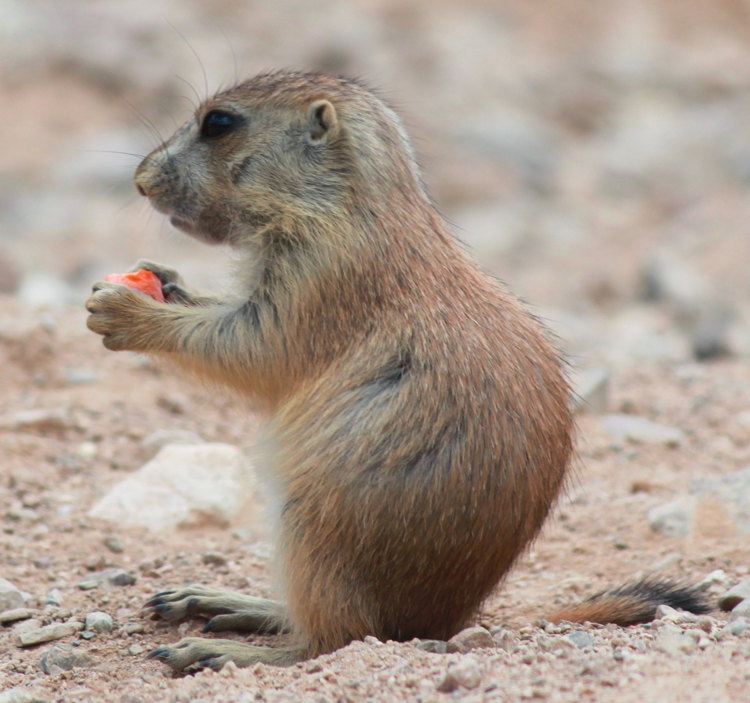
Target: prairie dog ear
322,122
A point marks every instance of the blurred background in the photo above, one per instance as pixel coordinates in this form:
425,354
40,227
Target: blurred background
594,155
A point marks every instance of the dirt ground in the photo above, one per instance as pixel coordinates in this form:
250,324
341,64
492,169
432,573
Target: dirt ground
595,156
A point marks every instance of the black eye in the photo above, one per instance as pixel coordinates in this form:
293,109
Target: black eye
217,123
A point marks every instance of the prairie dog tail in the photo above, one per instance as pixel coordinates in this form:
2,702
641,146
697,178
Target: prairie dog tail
635,603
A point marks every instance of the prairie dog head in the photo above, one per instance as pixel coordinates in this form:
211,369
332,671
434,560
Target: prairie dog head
280,148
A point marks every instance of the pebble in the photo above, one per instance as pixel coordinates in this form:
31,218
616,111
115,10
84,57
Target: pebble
63,657
21,695
41,420
54,598
80,376
671,640
10,596
673,519
214,559
718,577
735,595
114,544
642,431
736,627
47,634
99,622
741,610
476,637
111,577
133,628
581,639
464,673
669,614
136,649
433,646
15,614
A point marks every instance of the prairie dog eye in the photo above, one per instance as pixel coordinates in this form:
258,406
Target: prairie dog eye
218,123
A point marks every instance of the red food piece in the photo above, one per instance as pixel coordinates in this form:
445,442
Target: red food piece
143,281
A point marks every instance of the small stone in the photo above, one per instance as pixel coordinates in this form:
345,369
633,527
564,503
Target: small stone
80,376
88,635
21,695
642,431
15,614
54,598
464,673
47,634
10,596
64,657
108,577
214,559
471,638
41,420
741,610
673,519
136,649
736,627
434,646
99,622
671,640
669,614
581,639
114,544
716,577
735,595
133,628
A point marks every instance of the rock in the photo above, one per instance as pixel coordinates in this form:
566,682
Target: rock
464,673
21,695
673,519
581,639
80,376
730,492
10,597
63,657
718,577
99,622
152,444
136,649
736,627
107,577
114,544
47,634
434,646
14,615
471,638
40,289
214,559
54,598
669,614
735,595
591,391
672,641
41,420
642,431
741,610
183,485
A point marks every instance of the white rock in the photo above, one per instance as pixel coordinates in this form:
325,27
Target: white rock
642,431
673,519
10,596
99,622
183,485
735,595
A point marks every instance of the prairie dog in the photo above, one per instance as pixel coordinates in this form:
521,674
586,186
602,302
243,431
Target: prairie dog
419,414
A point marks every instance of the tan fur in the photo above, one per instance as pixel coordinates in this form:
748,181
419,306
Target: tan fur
419,413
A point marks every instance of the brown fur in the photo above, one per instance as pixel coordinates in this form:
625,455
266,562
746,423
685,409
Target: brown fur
418,415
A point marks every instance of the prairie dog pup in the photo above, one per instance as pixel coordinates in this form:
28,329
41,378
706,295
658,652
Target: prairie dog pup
419,414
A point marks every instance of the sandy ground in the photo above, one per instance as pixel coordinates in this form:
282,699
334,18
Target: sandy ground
581,151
